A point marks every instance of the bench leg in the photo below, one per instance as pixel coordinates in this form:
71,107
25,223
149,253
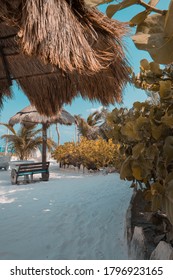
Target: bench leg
45,176
26,178
13,177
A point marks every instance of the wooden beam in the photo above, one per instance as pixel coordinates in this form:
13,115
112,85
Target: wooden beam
29,76
6,68
8,36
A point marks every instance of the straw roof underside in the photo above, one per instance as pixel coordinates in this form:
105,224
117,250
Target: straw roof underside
29,115
60,51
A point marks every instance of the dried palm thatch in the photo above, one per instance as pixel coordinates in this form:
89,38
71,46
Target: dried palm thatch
30,115
62,49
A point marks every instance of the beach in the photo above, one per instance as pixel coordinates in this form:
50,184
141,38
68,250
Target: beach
73,216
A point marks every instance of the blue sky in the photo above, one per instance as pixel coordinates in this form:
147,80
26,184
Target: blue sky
80,106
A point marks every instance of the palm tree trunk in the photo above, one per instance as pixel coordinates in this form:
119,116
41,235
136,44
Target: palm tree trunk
6,144
58,133
44,146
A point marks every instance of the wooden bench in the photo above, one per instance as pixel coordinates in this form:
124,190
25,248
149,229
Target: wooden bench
29,169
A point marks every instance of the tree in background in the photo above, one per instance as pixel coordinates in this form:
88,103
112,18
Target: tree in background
26,140
93,126
92,154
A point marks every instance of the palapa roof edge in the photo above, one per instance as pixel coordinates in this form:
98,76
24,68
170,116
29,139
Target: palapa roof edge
92,65
29,115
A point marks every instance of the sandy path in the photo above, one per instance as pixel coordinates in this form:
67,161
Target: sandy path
69,217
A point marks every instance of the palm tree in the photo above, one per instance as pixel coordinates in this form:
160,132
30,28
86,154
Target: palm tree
26,140
92,127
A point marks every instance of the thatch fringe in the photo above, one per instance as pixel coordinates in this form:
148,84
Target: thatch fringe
69,50
70,41
5,92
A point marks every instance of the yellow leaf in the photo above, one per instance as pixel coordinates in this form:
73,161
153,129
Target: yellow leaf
151,36
129,130
165,89
168,149
125,171
155,68
167,120
136,171
137,150
156,131
139,18
153,3
145,64
148,195
156,202
168,28
157,188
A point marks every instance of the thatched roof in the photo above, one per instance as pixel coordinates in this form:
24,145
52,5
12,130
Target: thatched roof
29,115
58,49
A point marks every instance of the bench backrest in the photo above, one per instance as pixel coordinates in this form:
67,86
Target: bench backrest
36,166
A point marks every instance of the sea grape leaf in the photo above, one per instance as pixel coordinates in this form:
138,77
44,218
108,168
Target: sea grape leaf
140,168
144,64
112,9
139,18
129,130
125,171
168,201
168,149
168,27
165,89
156,131
169,178
137,172
137,150
147,195
153,3
152,25
156,203
137,105
155,68
167,120
151,152
157,188
142,127
150,36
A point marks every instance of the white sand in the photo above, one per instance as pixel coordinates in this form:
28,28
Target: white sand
71,217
